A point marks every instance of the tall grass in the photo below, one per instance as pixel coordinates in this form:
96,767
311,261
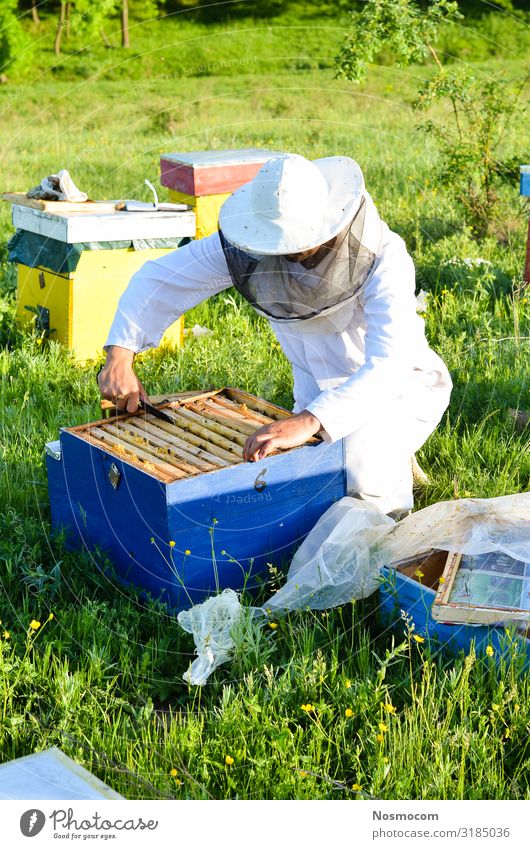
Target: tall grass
384,715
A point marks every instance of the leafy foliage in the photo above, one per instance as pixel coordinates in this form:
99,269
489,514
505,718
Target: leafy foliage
15,46
470,133
400,27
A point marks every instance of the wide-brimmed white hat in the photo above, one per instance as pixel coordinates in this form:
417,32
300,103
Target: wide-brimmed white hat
293,204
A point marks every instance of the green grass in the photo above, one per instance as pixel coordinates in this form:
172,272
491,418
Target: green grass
102,679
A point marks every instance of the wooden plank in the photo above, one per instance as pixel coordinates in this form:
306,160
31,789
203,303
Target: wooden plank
131,434
126,458
98,207
250,423
210,436
108,408
184,448
219,428
242,409
222,415
153,435
119,443
199,441
257,404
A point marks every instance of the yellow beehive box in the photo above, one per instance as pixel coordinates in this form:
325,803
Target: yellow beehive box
204,179
69,283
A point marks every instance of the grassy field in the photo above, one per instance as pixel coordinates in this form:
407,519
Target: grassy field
102,679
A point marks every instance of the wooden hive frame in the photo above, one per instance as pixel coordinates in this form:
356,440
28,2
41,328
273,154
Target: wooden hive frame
208,433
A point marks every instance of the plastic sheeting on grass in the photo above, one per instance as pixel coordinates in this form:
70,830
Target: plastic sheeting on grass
340,559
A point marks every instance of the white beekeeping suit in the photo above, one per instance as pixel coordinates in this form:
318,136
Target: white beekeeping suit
361,363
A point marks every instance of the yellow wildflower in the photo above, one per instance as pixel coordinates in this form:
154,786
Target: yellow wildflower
302,773
308,707
386,760
187,552
356,788
173,772
418,638
273,625
495,707
34,625
490,651
380,738
7,635
348,712
172,543
507,734
419,573
50,617
389,707
441,580
347,683
228,760
383,728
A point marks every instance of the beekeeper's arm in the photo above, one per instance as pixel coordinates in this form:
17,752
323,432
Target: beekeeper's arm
159,293
393,333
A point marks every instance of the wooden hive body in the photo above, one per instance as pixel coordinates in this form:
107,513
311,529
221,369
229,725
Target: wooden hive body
233,519
73,268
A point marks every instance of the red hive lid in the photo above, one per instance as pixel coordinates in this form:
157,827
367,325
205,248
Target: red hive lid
211,172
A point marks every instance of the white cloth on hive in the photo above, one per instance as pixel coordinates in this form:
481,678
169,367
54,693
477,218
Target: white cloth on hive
59,186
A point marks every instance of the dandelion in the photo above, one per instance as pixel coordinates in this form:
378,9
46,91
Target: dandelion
229,760
380,738
389,707
383,727
34,625
347,683
172,543
348,712
7,635
173,772
187,552
308,707
490,651
273,625
302,773
418,638
356,788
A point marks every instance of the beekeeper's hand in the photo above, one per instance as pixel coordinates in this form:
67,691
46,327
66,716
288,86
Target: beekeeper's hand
118,382
287,433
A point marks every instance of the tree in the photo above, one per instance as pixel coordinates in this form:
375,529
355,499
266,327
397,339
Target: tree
469,140
15,46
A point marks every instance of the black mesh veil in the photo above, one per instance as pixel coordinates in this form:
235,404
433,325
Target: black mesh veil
286,291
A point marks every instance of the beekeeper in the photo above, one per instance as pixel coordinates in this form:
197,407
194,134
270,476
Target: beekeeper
304,244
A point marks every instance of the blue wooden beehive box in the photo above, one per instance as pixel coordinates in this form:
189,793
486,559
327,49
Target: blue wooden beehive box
401,592
176,508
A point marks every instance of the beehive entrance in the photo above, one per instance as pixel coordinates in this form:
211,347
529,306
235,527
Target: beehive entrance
207,433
